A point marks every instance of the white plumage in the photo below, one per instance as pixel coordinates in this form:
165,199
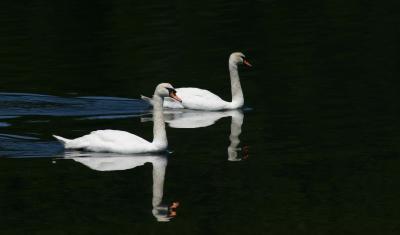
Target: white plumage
114,141
200,99
197,99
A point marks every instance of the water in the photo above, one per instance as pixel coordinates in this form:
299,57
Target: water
315,150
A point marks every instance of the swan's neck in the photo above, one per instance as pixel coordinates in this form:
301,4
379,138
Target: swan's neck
159,133
237,93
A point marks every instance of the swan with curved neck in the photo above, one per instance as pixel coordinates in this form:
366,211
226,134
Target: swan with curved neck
195,98
124,142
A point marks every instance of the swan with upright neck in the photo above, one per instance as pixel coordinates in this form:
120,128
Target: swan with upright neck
200,99
124,142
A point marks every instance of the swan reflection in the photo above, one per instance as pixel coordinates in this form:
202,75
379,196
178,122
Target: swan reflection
186,118
119,162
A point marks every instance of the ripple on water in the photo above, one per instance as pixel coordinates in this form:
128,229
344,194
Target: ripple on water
27,146
4,124
20,105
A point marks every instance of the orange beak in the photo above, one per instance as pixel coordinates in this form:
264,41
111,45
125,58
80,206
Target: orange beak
245,62
174,96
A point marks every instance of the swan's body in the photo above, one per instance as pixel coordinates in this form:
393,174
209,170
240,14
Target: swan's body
124,142
111,141
200,99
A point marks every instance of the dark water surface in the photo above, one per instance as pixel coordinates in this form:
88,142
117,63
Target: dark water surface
315,151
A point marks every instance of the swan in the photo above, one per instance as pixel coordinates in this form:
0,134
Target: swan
195,98
125,142
118,162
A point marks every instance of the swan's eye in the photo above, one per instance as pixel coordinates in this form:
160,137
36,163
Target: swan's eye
171,90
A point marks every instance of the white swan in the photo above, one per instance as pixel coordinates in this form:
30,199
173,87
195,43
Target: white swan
125,142
195,98
118,162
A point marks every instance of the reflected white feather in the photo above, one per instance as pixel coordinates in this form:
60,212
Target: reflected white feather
187,118
117,162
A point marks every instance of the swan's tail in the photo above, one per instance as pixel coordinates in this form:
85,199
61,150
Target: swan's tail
62,140
147,99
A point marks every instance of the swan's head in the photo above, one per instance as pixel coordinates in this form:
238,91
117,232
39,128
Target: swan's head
238,58
167,90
